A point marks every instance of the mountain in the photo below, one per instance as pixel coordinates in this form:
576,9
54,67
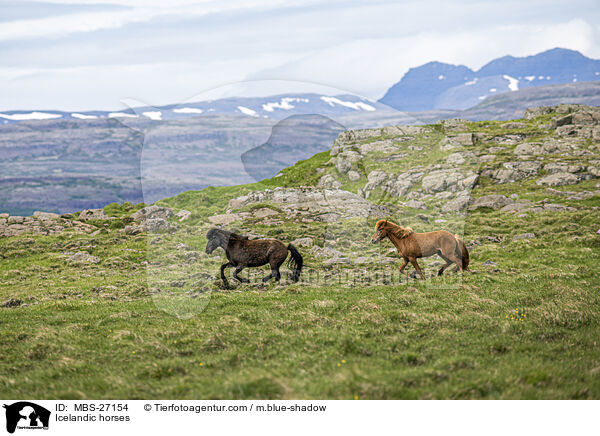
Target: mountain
437,85
274,107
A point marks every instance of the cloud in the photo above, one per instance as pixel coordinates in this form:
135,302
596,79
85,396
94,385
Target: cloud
370,66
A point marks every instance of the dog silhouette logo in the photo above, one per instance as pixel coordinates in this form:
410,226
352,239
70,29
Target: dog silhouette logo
26,415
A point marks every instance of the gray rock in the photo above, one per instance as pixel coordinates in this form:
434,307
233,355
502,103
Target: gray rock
557,207
46,215
15,219
416,204
516,207
183,215
83,258
514,125
534,112
305,242
93,214
301,203
524,236
460,203
354,176
328,181
448,180
460,158
152,212
337,261
489,263
156,225
133,230
492,201
514,171
226,218
558,179
563,167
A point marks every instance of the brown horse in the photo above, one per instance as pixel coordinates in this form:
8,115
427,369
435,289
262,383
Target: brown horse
242,252
412,246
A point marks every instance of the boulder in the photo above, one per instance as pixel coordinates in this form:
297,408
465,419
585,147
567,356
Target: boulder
353,176
492,201
558,179
152,212
328,181
225,219
460,203
513,171
448,180
93,214
156,225
83,258
415,204
46,215
305,242
534,112
524,236
460,158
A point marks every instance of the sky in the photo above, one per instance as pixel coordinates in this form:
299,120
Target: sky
98,54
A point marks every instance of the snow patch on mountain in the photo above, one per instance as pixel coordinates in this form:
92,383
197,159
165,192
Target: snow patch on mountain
188,110
513,84
332,101
284,103
247,111
30,116
153,115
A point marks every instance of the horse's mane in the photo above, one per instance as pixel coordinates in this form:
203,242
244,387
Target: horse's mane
398,231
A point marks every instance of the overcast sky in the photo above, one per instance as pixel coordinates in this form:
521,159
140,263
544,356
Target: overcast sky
93,54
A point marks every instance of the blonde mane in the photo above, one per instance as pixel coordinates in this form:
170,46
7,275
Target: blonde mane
398,231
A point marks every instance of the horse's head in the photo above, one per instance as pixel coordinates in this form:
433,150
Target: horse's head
214,240
380,231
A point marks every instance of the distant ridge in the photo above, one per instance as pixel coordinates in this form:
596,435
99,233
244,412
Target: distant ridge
437,85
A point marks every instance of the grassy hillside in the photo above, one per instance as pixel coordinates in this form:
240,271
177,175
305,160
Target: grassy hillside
144,316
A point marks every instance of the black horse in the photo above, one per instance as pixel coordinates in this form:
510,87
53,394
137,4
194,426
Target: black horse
242,252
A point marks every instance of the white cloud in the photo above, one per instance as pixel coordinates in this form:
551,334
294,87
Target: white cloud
370,66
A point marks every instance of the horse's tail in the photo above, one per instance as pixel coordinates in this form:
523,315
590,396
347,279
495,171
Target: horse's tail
295,262
464,253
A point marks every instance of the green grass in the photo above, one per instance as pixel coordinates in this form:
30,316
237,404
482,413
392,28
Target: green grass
523,327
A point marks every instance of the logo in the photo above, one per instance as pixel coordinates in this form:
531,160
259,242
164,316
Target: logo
26,415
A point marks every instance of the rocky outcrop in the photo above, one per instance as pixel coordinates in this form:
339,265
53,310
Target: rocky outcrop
151,212
93,214
312,204
151,219
559,179
458,204
514,171
449,180
396,185
41,223
491,201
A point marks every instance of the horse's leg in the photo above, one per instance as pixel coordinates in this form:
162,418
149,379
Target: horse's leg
404,263
457,260
275,262
413,260
238,269
443,268
223,278
269,277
